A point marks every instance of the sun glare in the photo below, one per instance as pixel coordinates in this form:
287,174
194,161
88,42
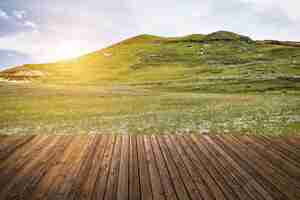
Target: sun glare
68,50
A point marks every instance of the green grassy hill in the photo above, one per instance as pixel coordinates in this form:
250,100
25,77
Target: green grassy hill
218,62
216,83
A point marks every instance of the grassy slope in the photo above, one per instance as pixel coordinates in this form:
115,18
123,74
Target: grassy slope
215,83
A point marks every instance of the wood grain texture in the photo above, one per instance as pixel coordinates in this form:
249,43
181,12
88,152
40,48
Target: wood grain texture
165,167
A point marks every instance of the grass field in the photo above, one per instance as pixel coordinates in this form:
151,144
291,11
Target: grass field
211,84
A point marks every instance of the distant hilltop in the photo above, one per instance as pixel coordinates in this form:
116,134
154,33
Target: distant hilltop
150,59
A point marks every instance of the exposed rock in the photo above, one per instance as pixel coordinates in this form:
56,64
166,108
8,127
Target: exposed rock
21,73
107,54
227,36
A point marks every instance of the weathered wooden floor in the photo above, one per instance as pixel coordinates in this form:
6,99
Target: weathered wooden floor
149,167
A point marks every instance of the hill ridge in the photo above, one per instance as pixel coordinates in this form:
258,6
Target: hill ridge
214,36
235,62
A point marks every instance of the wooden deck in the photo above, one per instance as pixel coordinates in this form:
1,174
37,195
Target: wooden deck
149,167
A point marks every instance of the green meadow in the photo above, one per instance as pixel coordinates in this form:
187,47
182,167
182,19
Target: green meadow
221,83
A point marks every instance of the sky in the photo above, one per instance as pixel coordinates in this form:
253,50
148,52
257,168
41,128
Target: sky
35,31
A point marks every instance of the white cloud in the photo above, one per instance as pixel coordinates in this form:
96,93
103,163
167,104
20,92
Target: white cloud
45,47
289,7
3,14
19,14
30,24
42,28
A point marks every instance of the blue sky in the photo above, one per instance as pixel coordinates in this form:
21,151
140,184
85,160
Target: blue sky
43,31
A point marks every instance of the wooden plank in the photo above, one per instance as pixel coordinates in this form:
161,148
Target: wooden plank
288,141
19,154
203,189
230,187
242,185
104,168
85,180
19,173
176,178
34,171
150,167
283,163
156,182
3,138
187,180
11,144
284,148
144,173
212,168
238,156
12,166
169,190
112,183
134,178
281,179
253,188
293,141
59,142
280,144
57,175
261,169
7,142
222,167
123,186
67,171
214,187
